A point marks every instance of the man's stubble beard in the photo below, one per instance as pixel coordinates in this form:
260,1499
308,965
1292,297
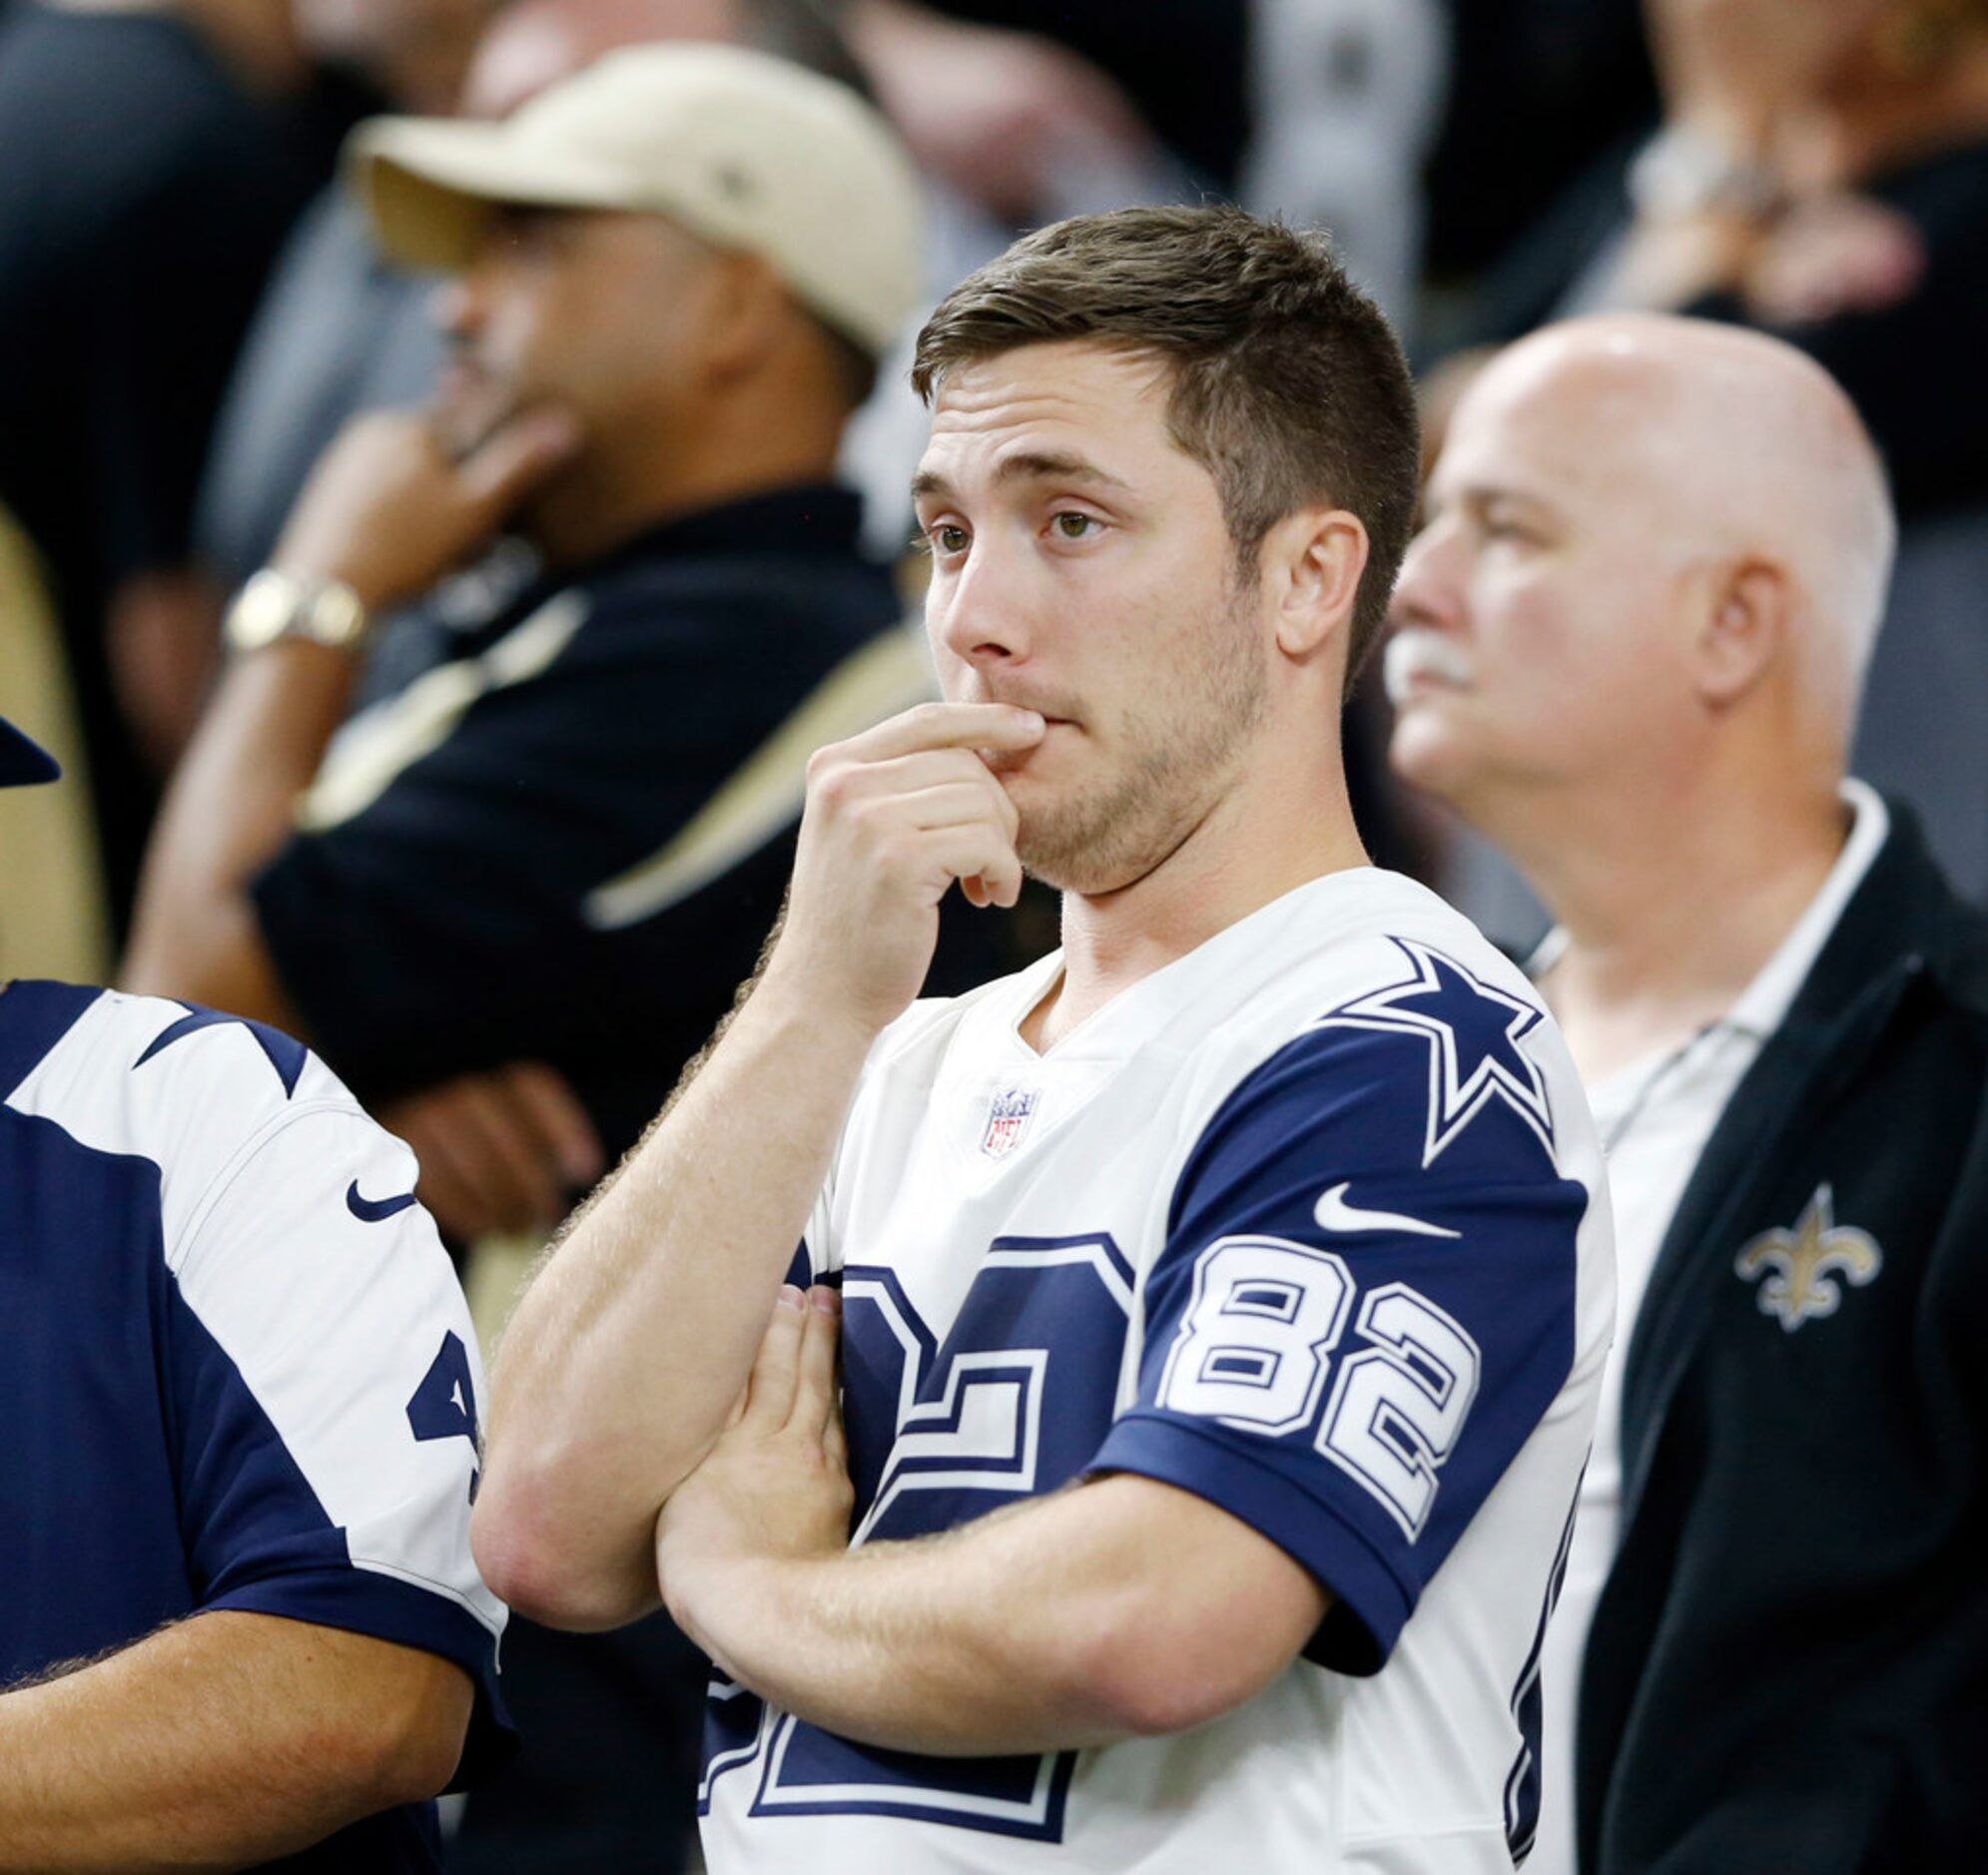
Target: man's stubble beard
1113,838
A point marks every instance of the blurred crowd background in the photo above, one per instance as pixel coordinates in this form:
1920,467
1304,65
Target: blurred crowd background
192,308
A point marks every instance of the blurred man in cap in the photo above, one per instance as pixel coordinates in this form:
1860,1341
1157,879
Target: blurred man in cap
238,1611
510,901
673,274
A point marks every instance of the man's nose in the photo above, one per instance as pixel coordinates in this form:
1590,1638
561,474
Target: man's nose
456,308
1428,593
979,613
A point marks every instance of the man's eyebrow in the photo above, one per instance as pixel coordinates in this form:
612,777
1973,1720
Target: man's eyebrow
1476,496
1026,465
1029,465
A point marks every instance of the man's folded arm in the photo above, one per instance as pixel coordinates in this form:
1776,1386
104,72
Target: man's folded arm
1120,1608
626,1356
222,1741
628,1350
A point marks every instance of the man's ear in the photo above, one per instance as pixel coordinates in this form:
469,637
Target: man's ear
1742,629
746,311
1311,564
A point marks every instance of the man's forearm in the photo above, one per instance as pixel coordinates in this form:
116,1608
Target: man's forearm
231,807
1122,1607
229,1738
628,1351
928,1646
618,1372
386,512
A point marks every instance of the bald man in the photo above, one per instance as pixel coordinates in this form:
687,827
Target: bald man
1627,649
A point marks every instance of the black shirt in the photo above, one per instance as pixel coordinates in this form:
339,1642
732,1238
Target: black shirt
461,908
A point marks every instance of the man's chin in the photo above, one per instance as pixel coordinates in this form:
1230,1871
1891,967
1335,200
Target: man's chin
1423,753
1091,857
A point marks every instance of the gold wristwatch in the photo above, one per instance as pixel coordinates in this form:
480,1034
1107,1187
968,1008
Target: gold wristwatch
276,605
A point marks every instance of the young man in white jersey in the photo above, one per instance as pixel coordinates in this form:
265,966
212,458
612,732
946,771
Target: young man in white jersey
1628,649
1247,1259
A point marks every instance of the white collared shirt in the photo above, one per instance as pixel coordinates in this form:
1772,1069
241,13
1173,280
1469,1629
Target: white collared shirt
1655,1118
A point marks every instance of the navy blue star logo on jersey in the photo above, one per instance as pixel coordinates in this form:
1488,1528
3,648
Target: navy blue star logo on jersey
285,1055
1474,1033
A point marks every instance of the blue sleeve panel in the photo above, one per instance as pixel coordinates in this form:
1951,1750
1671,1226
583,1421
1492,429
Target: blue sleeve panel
1365,1303
257,1538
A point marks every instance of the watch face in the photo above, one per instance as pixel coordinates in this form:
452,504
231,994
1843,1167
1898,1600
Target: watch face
261,609
273,605
334,615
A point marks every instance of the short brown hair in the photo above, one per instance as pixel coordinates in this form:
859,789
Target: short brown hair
1289,385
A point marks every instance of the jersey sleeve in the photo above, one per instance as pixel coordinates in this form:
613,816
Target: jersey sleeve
325,1380
1362,1308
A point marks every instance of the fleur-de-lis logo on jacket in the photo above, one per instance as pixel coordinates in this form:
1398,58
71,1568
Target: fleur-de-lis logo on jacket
1802,1266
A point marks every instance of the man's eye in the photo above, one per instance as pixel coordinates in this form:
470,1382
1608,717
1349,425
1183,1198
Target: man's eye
1074,526
949,538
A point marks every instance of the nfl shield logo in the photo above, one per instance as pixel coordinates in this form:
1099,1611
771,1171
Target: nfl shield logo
1005,1118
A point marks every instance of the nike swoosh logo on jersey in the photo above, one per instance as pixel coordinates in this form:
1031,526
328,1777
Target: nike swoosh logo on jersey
375,1210
1334,1213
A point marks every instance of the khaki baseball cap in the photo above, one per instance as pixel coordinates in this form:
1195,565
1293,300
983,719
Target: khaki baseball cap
741,148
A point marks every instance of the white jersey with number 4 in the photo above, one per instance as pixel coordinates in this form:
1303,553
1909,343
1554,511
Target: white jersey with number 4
1311,1224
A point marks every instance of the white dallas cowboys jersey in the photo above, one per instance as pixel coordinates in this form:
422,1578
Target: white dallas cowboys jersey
235,1364
1310,1223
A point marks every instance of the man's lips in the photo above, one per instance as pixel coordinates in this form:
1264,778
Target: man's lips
1416,662
1007,761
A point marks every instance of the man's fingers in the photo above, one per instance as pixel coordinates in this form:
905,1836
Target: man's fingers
997,884
776,1367
545,1104
918,778
449,1190
962,804
466,1179
512,1162
516,455
815,1390
976,852
835,1441
946,726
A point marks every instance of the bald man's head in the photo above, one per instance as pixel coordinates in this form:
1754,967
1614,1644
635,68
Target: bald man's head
1744,444
1643,529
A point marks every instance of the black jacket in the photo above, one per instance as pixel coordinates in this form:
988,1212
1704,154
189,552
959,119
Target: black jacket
1788,1666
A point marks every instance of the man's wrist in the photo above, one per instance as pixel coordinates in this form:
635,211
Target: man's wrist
715,1598
782,999
1695,169
278,603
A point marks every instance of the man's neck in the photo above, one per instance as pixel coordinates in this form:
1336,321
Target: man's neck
602,504
1668,918
1247,852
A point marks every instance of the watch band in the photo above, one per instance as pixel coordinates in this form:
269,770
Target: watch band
275,606
1681,173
